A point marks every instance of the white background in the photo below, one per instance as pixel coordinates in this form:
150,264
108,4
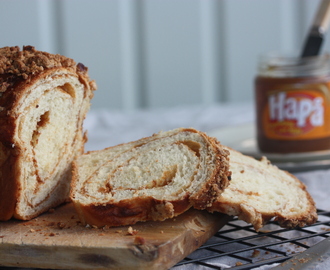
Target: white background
161,53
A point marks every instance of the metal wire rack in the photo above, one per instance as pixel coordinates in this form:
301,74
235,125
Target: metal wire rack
239,246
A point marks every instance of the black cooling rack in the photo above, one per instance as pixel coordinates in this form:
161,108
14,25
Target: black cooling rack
239,246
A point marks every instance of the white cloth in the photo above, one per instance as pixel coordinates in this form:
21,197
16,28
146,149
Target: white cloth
107,128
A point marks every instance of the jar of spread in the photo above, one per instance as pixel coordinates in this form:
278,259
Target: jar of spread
293,104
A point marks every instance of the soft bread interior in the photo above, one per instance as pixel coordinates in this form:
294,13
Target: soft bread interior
165,169
49,128
259,191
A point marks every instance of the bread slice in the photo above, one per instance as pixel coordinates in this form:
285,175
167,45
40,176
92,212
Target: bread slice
153,178
259,192
43,101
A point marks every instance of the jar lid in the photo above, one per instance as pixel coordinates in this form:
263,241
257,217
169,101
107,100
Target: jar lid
275,65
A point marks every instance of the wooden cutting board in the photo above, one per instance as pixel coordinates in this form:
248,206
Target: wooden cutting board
57,240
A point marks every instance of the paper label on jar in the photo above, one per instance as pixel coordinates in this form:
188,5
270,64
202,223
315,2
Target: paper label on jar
297,114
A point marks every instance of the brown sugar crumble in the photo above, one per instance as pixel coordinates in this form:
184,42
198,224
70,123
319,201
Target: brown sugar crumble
18,65
28,61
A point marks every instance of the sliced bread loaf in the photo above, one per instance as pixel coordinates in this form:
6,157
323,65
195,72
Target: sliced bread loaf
259,192
43,101
153,178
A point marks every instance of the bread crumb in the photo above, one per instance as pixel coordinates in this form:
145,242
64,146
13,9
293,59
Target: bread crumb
106,227
255,253
61,225
130,231
138,240
239,263
119,231
101,234
32,230
161,231
304,260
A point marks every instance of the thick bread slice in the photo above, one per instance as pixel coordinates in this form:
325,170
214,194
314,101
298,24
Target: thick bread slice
154,178
43,101
260,191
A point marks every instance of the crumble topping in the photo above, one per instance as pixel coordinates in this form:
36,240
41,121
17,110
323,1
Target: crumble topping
29,61
17,65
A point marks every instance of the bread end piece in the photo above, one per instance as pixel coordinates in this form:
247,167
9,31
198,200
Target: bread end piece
260,192
43,101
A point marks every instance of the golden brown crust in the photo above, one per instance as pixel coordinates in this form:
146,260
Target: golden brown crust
19,70
8,185
218,181
129,212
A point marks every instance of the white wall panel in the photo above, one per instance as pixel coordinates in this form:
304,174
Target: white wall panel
211,22
251,28
49,27
132,54
91,35
20,23
158,53
172,52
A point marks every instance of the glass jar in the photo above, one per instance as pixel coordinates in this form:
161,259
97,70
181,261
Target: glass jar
293,104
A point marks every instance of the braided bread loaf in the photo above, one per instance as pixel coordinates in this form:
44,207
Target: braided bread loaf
43,101
154,178
259,192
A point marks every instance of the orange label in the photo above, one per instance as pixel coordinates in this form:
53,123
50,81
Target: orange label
293,114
